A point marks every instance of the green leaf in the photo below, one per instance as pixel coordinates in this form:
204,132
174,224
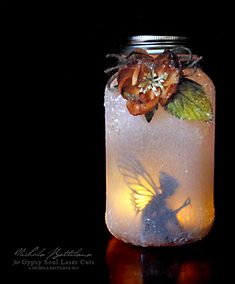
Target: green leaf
149,115
190,102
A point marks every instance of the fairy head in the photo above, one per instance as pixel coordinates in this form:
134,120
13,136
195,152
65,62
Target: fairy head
168,184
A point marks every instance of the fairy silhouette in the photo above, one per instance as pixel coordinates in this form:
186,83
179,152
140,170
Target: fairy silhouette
159,222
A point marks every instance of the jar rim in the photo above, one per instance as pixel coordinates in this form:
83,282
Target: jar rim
144,38
154,44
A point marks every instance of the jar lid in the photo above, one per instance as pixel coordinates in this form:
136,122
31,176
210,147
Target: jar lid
154,44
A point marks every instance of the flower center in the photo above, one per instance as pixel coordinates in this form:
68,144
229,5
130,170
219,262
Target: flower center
151,81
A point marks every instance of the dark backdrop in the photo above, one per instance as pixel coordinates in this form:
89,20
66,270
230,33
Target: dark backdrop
55,124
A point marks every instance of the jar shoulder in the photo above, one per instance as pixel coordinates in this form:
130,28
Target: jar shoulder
201,78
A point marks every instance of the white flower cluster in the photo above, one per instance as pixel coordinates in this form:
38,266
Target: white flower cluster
153,82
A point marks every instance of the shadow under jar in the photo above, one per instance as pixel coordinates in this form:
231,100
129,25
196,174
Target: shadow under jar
160,122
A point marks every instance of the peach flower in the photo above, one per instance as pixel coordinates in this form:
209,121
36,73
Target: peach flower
147,81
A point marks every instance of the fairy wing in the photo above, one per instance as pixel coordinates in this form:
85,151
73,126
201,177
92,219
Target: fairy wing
143,188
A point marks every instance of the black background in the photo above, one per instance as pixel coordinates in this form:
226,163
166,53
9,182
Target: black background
55,166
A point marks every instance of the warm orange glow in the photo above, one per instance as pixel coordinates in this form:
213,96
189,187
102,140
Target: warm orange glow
194,272
134,265
123,262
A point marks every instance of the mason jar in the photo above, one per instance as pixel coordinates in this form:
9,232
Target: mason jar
160,123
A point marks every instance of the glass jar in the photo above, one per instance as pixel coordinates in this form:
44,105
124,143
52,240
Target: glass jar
159,162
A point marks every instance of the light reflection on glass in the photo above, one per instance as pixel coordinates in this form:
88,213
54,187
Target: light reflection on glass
128,264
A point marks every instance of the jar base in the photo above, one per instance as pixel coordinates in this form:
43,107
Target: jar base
188,239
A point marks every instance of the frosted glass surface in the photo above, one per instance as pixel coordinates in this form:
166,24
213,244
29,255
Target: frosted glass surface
170,162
